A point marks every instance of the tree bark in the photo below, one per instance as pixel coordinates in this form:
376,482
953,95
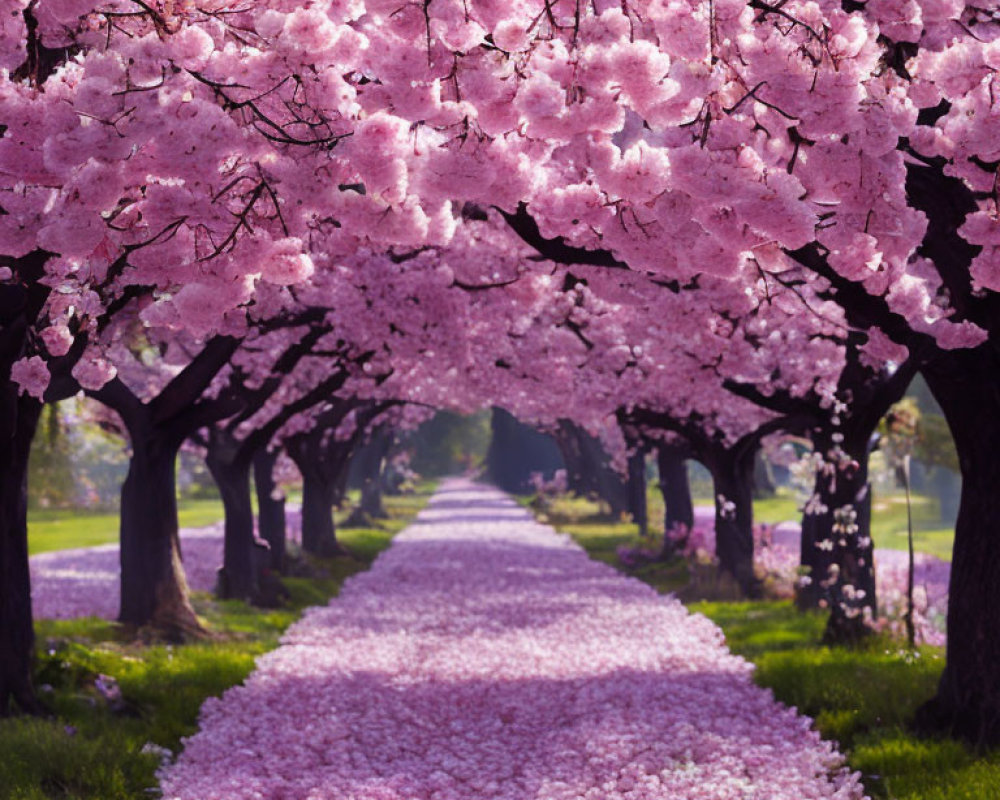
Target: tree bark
270,512
732,479
966,383
676,491
837,548
21,303
371,459
637,491
319,535
153,585
18,421
231,471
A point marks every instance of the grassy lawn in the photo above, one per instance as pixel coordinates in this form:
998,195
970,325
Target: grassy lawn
862,698
888,518
51,529
93,749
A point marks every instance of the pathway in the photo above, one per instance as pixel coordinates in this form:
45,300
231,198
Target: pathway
485,657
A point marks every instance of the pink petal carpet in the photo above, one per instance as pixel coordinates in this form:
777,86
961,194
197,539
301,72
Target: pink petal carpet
485,657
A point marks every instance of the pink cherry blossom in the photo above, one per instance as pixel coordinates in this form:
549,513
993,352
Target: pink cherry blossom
32,375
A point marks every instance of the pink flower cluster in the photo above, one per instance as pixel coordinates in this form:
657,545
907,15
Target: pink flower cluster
484,656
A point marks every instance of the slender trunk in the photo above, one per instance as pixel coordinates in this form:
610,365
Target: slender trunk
270,511
763,478
637,491
966,383
319,536
153,586
676,491
238,576
732,478
18,421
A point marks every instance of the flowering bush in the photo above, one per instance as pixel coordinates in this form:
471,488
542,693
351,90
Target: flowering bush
492,659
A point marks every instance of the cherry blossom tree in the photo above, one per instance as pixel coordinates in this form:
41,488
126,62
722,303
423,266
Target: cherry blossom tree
675,138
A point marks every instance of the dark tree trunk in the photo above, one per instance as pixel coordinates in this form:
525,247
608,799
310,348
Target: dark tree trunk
516,451
966,383
676,491
837,548
588,471
319,536
153,585
370,460
270,512
732,479
569,447
18,420
238,576
21,303
637,491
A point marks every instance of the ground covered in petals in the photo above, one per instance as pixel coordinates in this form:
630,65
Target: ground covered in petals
85,582
485,656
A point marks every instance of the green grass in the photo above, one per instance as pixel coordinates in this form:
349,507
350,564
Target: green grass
930,535
92,750
888,518
51,529
862,698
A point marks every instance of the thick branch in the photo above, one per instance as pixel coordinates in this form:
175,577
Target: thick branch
524,225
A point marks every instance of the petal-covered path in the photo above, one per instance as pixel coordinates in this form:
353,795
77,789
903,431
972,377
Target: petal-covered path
485,656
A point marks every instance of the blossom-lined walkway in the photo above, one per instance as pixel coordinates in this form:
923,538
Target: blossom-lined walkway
484,657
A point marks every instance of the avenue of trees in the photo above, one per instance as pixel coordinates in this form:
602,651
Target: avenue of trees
669,225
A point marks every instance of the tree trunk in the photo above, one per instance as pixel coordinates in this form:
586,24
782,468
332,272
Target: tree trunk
732,478
587,469
569,448
966,383
637,491
837,552
238,576
370,459
153,586
18,421
676,491
270,512
319,536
